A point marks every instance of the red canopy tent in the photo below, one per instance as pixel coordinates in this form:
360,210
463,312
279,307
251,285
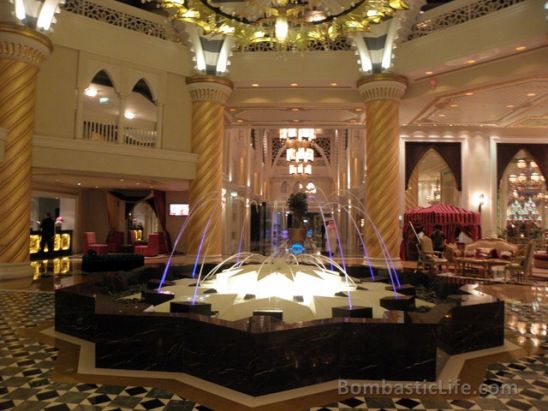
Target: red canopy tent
448,216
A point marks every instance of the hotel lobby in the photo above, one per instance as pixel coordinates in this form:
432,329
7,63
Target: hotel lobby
273,205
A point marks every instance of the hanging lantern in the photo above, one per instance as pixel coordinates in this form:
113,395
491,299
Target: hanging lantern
522,178
532,164
522,164
512,178
535,177
290,154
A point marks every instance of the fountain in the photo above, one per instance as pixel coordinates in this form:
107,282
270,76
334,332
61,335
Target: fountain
262,324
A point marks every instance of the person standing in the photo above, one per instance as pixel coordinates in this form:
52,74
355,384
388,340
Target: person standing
438,238
48,233
331,234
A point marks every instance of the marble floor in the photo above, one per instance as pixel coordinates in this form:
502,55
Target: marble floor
39,372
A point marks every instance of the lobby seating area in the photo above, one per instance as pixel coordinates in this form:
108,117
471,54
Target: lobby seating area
152,248
91,244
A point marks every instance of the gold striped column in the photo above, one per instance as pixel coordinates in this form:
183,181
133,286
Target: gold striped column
209,95
22,50
382,184
412,193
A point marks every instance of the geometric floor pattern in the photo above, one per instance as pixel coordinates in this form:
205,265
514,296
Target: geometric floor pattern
25,367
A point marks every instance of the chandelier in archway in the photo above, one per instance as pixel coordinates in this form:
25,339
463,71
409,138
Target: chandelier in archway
299,153
293,22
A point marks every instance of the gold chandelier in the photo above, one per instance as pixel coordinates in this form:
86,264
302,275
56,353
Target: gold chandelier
299,153
283,22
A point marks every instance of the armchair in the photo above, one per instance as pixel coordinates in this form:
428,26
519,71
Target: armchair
521,265
152,248
115,241
428,258
90,243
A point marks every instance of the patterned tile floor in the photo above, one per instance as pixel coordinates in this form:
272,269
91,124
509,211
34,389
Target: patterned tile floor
26,366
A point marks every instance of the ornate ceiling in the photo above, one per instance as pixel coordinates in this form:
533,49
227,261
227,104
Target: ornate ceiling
509,104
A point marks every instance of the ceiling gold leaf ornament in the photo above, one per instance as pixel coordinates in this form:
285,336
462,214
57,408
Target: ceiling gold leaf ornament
290,24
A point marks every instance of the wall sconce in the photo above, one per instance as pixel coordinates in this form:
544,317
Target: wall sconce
479,200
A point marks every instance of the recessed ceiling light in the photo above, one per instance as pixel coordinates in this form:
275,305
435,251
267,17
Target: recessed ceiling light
454,105
103,100
90,92
232,109
121,179
470,61
333,84
130,115
294,84
295,109
358,110
78,184
521,48
96,186
531,94
510,106
469,93
441,115
296,120
428,73
255,85
239,120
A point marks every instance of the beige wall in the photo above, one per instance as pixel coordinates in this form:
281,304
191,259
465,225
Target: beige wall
177,115
93,215
173,223
56,100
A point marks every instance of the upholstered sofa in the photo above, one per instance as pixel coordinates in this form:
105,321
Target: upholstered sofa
491,248
541,260
484,248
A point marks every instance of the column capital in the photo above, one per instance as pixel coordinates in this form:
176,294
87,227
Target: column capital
23,44
209,88
382,86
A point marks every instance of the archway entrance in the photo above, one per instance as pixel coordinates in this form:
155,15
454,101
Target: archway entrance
432,182
522,200
144,218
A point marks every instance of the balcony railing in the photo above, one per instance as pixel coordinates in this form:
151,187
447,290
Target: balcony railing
122,15
96,131
139,137
105,132
454,13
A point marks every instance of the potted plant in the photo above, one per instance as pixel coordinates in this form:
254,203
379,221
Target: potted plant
298,206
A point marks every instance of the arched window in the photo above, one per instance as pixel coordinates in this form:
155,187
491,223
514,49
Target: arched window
141,116
101,109
283,187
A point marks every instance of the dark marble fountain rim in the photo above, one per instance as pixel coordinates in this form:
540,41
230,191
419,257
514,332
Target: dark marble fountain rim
257,324
106,305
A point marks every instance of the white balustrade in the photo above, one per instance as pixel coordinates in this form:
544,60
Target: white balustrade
97,131
140,137
108,133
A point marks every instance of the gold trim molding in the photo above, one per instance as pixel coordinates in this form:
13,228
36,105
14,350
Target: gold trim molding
24,44
382,77
26,32
210,79
382,86
209,88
